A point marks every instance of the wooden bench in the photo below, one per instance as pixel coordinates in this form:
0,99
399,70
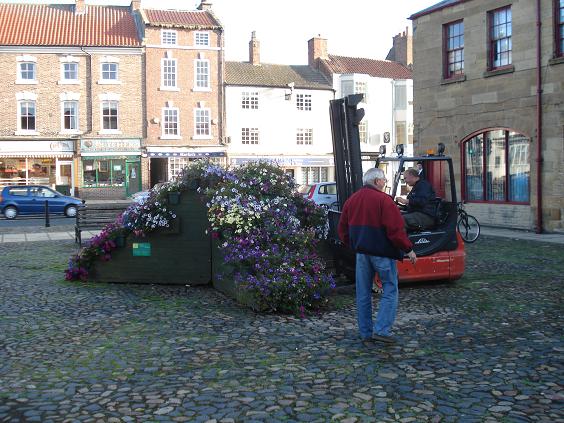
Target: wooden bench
95,217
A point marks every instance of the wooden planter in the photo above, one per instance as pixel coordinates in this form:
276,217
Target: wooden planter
179,255
223,281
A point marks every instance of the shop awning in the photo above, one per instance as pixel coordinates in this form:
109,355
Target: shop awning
286,160
36,154
195,152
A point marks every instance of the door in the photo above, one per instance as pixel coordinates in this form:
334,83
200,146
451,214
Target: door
133,177
64,179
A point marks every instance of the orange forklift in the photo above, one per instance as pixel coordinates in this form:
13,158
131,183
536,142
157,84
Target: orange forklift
440,250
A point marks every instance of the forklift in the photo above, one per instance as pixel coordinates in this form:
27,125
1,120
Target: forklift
440,249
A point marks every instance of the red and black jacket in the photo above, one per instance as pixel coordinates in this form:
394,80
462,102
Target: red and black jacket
372,224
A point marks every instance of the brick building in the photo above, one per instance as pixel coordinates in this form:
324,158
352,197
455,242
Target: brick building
184,76
71,97
488,83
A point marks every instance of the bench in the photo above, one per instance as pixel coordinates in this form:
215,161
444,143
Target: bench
95,217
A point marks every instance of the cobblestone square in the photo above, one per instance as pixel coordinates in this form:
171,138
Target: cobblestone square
487,348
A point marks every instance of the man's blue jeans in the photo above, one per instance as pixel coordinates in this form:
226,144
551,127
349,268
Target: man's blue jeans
366,267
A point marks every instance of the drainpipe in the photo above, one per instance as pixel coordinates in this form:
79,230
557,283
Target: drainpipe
539,124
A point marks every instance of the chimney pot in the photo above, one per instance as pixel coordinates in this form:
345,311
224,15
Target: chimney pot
79,7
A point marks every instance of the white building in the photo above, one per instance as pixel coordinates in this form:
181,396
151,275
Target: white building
387,87
279,113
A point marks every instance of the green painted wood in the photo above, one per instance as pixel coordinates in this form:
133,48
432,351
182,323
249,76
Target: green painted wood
180,255
222,279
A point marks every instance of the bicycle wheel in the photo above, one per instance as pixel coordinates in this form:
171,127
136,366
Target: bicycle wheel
469,228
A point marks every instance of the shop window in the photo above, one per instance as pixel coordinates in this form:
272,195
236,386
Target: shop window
103,172
311,175
497,167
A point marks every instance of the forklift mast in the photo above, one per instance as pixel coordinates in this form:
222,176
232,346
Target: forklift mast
345,117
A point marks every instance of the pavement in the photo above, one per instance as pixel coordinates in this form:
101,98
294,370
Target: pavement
54,233
487,348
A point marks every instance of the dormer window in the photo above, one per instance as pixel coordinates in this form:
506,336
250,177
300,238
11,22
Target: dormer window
168,37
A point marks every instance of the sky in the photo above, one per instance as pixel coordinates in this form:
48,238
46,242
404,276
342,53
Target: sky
356,28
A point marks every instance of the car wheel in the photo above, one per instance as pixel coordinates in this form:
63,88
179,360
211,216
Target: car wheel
10,212
70,211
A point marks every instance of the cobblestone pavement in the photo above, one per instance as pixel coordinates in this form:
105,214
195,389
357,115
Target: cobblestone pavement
487,348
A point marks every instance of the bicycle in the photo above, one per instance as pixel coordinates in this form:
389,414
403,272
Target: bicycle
467,225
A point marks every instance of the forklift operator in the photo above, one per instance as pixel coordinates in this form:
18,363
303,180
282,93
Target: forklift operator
419,204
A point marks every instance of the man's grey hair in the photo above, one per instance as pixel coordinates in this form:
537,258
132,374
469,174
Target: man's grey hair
371,174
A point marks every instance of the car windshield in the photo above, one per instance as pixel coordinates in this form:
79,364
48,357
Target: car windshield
304,189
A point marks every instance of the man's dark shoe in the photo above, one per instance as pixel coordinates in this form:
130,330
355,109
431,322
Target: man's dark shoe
384,339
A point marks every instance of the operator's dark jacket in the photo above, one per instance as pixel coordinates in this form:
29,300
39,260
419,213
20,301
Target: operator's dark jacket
421,198
372,224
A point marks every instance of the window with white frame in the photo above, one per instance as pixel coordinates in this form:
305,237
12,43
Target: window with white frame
303,101
202,39
361,87
69,72
168,71
168,37
70,115
110,114
170,122
363,131
202,74
249,100
110,72
304,136
27,72
312,175
27,114
249,135
202,121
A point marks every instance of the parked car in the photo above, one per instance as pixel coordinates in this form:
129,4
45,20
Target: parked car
30,199
322,193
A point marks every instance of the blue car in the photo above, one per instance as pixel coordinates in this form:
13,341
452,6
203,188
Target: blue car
30,199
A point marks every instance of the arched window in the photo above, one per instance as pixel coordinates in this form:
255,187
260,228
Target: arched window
496,167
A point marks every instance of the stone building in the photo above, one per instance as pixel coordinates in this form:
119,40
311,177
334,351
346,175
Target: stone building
488,83
184,75
71,98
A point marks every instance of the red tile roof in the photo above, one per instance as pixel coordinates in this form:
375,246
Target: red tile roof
57,25
193,19
375,68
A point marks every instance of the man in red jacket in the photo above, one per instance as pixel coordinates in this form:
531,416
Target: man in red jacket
372,226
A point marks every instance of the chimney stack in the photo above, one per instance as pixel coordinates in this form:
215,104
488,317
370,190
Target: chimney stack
79,7
402,51
317,50
254,50
205,5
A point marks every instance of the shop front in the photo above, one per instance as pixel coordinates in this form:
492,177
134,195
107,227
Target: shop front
44,162
109,168
166,162
304,169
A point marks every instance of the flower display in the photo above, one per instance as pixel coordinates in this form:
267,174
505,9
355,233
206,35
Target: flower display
138,219
268,233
